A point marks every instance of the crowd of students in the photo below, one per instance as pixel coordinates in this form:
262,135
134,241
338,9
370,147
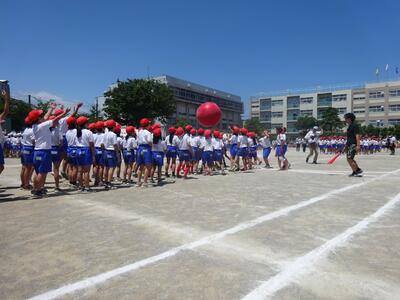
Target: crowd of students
96,154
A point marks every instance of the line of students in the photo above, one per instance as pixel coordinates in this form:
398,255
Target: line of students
53,140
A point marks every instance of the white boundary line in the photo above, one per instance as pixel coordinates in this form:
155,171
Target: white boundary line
303,264
102,277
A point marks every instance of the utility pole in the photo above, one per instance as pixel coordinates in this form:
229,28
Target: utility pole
97,108
29,101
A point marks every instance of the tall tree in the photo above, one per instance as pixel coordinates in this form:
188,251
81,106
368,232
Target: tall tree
254,124
18,111
305,123
134,99
330,120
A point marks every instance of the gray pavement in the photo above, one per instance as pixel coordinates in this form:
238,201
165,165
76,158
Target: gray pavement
236,232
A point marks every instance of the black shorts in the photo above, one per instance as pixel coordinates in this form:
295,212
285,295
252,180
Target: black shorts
351,151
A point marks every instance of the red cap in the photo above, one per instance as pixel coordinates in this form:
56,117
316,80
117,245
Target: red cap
110,123
117,130
92,126
188,127
130,130
71,120
35,114
236,130
193,131
58,112
171,130
216,133
52,117
200,131
82,120
99,125
207,133
156,126
144,122
220,135
28,121
244,131
157,132
179,131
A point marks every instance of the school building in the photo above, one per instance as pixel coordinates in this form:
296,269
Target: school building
376,103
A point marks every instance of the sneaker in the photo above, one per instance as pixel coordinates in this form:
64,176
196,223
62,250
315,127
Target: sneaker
315,163
352,174
307,160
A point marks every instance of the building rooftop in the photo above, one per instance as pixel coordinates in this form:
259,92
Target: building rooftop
327,88
188,85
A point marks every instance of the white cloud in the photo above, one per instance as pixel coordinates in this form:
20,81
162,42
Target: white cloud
45,96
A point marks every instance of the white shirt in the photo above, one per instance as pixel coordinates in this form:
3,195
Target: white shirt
159,147
85,139
70,135
28,138
98,139
42,135
207,144
109,140
175,141
144,137
62,124
129,143
184,142
251,142
195,141
216,143
234,139
243,140
265,142
281,138
55,136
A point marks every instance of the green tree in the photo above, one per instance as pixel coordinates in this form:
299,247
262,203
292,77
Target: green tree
331,122
43,104
255,125
134,99
181,122
18,111
305,123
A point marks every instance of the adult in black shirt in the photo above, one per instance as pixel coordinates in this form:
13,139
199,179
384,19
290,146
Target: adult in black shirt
353,144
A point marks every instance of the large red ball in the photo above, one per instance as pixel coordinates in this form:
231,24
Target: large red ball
208,114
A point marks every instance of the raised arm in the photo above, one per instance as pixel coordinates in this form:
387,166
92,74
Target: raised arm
50,111
6,96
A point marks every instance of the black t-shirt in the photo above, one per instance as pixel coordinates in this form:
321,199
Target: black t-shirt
352,131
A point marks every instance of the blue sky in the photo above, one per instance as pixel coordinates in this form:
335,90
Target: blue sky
73,50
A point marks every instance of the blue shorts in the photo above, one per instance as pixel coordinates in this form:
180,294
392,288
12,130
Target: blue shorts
171,152
195,155
55,154
1,155
158,158
110,159
144,156
27,155
64,145
234,150
84,156
184,155
266,152
217,155
279,151
199,154
72,156
99,156
242,152
42,161
207,157
253,152
129,156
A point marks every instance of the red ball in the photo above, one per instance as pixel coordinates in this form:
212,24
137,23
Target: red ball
208,114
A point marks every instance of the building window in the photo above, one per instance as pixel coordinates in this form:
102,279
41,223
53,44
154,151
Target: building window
341,97
265,104
265,116
394,93
377,123
276,125
293,102
394,107
277,114
291,127
342,110
359,111
325,100
277,102
306,100
304,113
293,115
359,97
376,108
393,122
376,94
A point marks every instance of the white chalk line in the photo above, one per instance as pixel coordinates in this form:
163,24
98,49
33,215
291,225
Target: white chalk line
303,265
100,278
